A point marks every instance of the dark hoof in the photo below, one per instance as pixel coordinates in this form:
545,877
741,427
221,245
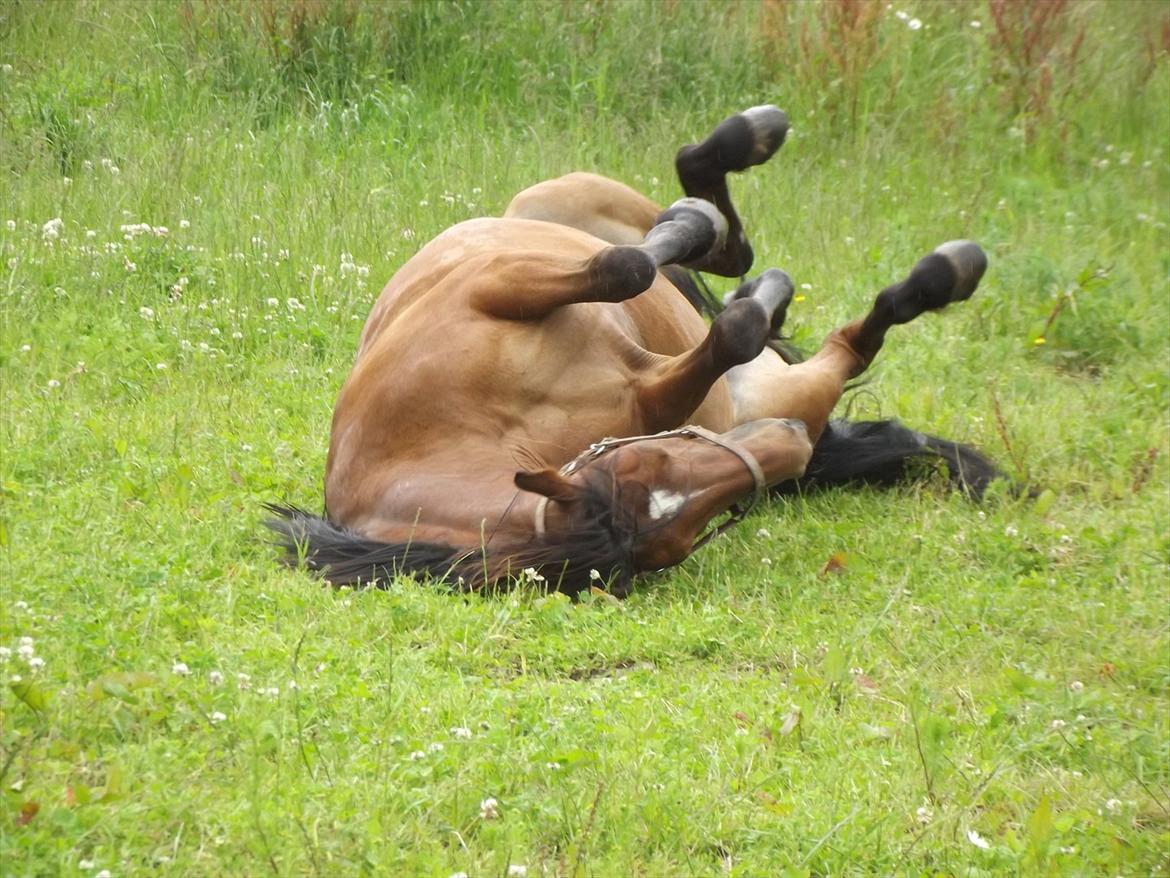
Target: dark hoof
769,127
969,262
701,224
774,290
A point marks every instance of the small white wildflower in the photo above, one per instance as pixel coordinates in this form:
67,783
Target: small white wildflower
85,864
553,766
1076,686
217,716
529,574
901,16
458,875
461,732
52,383
11,225
36,663
180,669
5,653
15,678
1011,531
925,814
271,692
1058,724
594,575
26,651
244,681
416,755
434,747
1113,805
146,313
26,641
51,230
424,203
272,303
517,870
215,678
914,24
25,348
67,181
489,809
184,224
1065,539
976,24
162,367
978,840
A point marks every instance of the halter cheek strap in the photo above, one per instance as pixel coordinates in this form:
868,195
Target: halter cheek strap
738,511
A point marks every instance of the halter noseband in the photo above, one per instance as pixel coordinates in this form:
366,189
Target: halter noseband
738,510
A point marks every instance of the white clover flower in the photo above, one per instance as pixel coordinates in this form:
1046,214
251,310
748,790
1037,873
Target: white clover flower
1011,531
766,562
85,864
529,574
244,681
180,669
36,663
914,24
215,678
26,651
517,870
271,692
1113,805
763,534
416,755
162,367
217,716
461,733
925,813
11,225
489,809
901,16
1058,724
976,24
1076,686
184,224
976,839
458,875
67,181
434,747
146,313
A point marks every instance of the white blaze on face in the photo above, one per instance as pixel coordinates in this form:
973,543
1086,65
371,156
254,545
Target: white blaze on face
665,504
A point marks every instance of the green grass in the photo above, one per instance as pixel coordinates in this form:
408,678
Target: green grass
999,669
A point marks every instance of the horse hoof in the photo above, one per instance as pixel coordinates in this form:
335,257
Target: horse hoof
969,262
746,139
705,225
622,271
768,125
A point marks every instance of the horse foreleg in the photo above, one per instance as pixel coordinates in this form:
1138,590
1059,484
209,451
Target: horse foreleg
769,388
674,390
533,285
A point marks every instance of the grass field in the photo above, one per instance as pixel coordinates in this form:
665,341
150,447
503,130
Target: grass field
201,201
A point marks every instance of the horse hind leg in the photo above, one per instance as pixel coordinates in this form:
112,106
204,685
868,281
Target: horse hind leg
808,391
738,143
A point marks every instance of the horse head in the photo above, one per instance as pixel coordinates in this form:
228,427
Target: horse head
653,496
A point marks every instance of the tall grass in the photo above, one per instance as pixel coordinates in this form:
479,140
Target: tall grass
200,203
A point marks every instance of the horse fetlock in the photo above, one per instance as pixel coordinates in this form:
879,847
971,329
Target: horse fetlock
619,272
739,334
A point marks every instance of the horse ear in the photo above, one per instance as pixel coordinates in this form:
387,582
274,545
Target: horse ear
548,483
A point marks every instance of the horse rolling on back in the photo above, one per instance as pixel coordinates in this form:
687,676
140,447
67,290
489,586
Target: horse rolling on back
472,440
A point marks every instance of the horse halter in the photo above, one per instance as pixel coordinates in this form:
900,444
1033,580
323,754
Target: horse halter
738,511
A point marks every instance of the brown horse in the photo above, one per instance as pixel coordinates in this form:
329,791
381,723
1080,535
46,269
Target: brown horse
467,441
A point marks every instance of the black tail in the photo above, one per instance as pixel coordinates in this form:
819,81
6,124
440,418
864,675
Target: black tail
885,453
345,557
